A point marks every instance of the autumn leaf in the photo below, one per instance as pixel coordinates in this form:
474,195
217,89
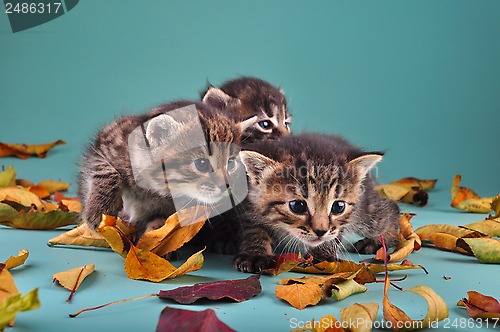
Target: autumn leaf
408,190
285,263
490,227
466,199
145,265
80,236
411,182
72,279
15,261
486,250
346,288
15,304
359,317
495,206
172,319
481,306
409,242
173,235
8,177
445,236
7,284
53,186
300,295
23,151
21,196
35,219
40,191
237,290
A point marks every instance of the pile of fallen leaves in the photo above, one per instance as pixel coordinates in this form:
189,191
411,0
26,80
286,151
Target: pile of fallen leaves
26,205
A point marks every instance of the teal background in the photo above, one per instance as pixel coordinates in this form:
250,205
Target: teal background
418,79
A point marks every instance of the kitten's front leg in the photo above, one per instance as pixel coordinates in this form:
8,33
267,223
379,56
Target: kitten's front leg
104,195
255,252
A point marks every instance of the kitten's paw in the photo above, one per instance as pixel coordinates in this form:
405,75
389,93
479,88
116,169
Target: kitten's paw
251,263
367,246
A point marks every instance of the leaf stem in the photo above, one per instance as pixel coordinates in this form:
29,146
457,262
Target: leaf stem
76,284
111,303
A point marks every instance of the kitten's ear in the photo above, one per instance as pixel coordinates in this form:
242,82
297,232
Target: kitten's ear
243,125
160,128
365,163
256,163
217,98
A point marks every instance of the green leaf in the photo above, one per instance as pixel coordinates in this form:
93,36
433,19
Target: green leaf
8,177
346,288
34,219
486,250
17,303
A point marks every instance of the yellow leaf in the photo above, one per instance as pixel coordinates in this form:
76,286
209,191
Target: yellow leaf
346,288
21,196
24,150
466,199
410,241
359,317
80,236
72,279
490,227
7,284
145,265
394,192
72,205
300,295
411,182
53,186
8,177
495,206
116,239
173,235
15,261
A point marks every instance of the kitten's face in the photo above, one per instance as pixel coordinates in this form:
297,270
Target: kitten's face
313,203
247,97
193,159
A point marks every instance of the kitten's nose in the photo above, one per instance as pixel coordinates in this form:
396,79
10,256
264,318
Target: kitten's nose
319,232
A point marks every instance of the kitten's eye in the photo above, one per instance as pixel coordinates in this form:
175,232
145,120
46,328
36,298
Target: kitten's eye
202,164
297,206
265,124
231,164
338,207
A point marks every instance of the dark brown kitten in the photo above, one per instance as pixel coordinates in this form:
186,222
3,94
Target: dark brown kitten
142,166
306,192
248,97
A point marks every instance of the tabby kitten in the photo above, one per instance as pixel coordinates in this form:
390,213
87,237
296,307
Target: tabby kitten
248,97
140,166
306,192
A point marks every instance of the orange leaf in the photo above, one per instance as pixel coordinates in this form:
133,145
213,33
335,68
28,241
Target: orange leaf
481,306
300,295
466,199
24,151
52,186
40,191
410,241
15,261
410,182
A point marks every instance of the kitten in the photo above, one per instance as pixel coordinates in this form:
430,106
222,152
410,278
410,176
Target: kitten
306,192
248,97
140,167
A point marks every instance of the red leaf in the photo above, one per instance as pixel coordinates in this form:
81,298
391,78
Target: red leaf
237,290
190,321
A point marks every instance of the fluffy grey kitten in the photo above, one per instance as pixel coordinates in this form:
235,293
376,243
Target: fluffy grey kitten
306,192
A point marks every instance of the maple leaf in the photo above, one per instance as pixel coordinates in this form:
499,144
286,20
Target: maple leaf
17,303
23,151
466,199
172,319
8,177
71,279
15,261
481,306
237,290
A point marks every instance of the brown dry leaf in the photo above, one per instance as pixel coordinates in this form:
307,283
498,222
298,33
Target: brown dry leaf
72,279
409,242
408,190
300,295
481,306
15,261
359,317
8,177
7,284
173,235
466,199
145,265
495,206
24,150
80,236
